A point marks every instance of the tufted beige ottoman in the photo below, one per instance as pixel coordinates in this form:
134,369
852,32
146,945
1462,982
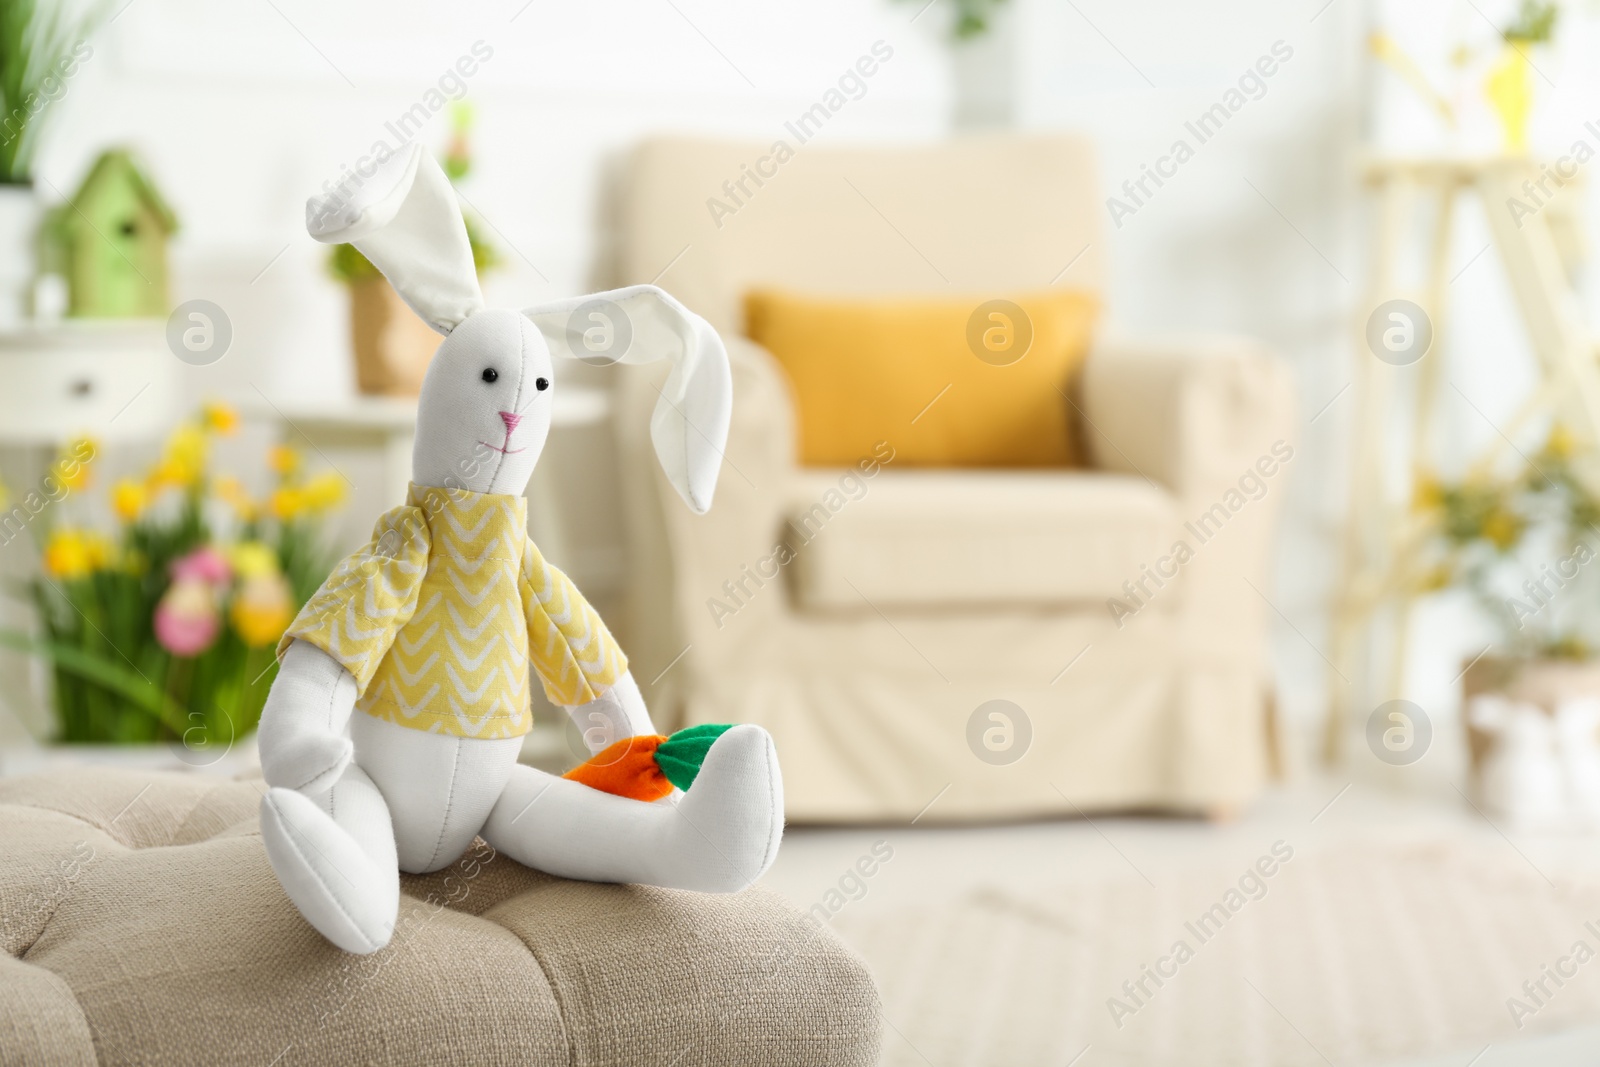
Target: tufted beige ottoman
142,925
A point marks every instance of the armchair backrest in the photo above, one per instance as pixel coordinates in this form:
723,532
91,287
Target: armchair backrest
709,220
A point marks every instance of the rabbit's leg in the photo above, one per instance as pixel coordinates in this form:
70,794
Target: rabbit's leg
324,822
334,854
439,788
719,837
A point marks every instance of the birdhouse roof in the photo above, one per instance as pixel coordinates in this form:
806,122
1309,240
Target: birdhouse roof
118,164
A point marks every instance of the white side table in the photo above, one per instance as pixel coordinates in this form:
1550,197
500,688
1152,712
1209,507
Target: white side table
112,381
388,425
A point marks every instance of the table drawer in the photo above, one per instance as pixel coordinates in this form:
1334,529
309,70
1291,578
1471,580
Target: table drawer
110,384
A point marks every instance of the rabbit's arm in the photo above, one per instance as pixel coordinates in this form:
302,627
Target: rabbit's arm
574,655
330,651
302,732
617,713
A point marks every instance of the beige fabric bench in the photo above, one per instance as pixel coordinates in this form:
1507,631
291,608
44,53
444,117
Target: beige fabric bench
141,924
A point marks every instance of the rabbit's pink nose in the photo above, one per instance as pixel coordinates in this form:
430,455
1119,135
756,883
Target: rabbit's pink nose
510,418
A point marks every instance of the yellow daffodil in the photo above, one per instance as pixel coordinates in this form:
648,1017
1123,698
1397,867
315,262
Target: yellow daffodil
1427,494
252,559
232,492
1502,528
1561,444
323,491
261,608
183,461
286,503
129,499
64,555
283,459
70,554
219,418
71,467
5,496
1436,578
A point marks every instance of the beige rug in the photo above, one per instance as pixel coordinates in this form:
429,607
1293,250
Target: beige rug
1347,956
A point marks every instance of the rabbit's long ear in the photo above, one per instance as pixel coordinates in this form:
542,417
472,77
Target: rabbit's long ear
641,324
405,219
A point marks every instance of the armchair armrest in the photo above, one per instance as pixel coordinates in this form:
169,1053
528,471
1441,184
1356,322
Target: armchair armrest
1190,414
762,434
681,562
1211,421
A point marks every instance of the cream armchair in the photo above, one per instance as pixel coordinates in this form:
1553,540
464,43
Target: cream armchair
867,616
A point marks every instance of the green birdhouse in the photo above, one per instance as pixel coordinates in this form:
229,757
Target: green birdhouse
110,242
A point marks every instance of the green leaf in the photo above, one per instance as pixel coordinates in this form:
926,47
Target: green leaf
681,755
140,693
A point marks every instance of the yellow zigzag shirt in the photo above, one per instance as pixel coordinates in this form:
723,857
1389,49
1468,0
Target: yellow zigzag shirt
440,615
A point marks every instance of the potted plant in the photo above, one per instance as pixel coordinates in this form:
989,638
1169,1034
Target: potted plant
392,345
983,63
1526,547
42,45
969,18
164,628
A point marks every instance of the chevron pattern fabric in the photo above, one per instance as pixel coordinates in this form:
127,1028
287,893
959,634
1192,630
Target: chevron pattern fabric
439,618
573,653
369,595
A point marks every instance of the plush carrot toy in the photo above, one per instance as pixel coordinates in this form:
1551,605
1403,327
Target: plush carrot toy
649,767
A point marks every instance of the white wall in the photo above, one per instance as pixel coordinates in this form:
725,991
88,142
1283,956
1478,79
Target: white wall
242,110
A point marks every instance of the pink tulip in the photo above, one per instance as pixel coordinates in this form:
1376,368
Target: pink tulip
203,564
187,620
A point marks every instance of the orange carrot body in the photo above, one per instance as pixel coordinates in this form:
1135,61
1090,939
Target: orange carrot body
627,768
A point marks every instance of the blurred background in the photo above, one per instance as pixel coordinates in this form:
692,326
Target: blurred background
1165,439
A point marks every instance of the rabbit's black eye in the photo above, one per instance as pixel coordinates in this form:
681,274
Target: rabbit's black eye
541,384
490,374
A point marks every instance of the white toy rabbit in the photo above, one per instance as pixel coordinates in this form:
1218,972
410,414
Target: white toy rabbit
390,738
1520,777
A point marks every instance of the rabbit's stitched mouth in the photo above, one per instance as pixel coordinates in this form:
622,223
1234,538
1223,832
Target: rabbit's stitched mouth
503,451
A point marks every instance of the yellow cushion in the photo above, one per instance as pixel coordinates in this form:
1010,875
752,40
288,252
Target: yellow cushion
948,382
